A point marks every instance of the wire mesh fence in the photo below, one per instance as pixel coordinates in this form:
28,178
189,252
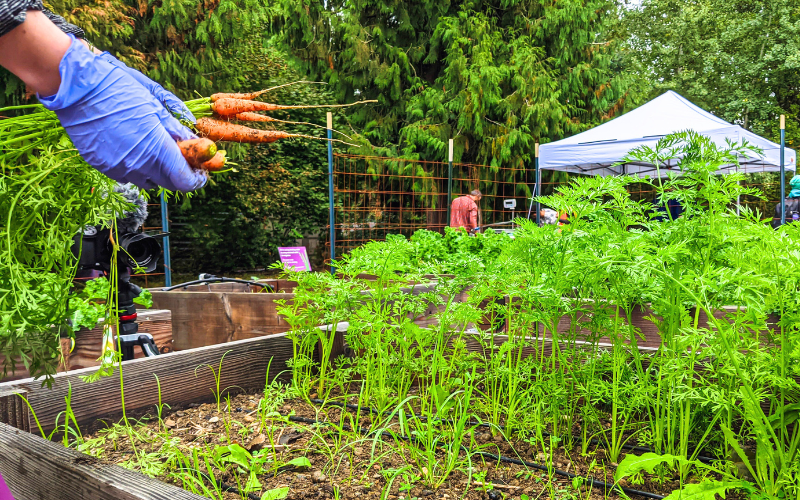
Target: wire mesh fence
376,196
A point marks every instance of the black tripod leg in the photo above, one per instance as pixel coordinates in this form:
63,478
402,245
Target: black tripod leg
128,328
148,346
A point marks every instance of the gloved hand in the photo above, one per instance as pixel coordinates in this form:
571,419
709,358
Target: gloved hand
117,126
166,98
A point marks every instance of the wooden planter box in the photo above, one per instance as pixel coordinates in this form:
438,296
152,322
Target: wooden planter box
648,335
221,312
225,312
35,468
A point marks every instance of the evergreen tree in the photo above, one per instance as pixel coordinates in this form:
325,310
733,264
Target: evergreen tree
495,76
180,44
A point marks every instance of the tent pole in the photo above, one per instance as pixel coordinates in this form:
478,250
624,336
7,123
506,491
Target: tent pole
783,171
534,193
738,197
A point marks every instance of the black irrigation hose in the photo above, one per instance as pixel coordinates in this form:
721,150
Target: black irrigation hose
592,481
218,280
596,483
640,449
233,489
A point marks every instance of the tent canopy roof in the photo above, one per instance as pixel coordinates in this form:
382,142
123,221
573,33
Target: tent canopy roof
595,151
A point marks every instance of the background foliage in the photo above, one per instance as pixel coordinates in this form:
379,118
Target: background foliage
495,76
181,44
739,60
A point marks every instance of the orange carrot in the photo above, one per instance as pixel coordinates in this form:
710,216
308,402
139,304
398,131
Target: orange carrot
197,151
216,163
253,117
218,130
229,107
248,96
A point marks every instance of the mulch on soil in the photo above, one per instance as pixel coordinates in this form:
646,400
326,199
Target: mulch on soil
356,467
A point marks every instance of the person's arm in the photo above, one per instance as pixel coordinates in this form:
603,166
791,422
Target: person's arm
33,50
63,25
473,217
117,124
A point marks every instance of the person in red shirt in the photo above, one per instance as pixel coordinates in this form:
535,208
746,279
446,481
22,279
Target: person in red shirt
464,211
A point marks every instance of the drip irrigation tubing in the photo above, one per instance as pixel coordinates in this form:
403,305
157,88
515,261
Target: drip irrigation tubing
595,483
233,489
641,449
214,279
227,487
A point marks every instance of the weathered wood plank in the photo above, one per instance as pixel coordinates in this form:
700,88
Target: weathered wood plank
89,343
338,343
207,318
185,377
278,285
34,469
203,318
19,370
13,410
543,346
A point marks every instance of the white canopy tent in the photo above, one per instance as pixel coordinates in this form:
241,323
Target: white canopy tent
595,151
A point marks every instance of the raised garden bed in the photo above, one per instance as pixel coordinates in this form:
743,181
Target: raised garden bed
187,384
341,461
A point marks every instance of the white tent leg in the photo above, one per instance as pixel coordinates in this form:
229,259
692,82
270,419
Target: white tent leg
738,198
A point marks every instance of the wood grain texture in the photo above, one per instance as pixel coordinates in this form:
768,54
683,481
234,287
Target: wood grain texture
13,410
543,347
278,285
185,378
337,344
89,342
203,318
36,469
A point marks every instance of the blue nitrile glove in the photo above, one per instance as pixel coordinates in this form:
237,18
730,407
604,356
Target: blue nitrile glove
117,126
165,97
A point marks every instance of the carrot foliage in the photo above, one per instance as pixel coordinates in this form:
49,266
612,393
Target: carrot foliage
47,195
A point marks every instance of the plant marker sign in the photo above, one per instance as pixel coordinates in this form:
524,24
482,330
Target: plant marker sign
295,258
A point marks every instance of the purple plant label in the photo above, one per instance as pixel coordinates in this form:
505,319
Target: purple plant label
4,493
295,258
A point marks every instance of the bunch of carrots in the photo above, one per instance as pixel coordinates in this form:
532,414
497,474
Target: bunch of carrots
215,116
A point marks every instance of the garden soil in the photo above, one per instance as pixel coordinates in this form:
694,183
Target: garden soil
362,469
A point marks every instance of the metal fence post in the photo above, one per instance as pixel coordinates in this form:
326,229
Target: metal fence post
331,215
536,182
449,179
165,229
783,171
